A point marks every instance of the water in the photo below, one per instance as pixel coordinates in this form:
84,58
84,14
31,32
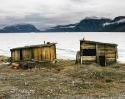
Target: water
67,43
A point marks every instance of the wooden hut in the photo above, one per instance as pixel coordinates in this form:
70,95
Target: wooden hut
97,52
43,52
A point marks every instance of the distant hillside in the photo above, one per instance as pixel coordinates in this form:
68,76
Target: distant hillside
62,28
116,25
19,28
93,25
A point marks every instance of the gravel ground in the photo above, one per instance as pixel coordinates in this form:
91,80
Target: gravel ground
62,79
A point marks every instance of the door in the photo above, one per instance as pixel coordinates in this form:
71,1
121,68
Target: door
102,60
32,53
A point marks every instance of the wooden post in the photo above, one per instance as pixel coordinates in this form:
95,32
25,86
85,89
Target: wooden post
81,53
55,51
116,53
11,59
104,55
97,54
81,59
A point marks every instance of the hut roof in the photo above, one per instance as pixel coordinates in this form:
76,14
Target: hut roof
111,44
33,46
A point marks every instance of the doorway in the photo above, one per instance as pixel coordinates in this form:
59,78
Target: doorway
102,60
21,54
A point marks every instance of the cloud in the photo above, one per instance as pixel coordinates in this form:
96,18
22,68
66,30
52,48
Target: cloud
46,13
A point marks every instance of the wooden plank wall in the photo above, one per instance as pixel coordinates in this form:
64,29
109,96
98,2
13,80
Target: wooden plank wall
37,53
87,46
109,51
16,55
26,54
111,55
87,59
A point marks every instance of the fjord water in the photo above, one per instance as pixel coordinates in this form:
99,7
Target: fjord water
67,43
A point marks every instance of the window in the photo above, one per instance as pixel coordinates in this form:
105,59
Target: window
88,52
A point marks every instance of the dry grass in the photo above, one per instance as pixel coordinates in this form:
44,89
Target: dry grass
63,78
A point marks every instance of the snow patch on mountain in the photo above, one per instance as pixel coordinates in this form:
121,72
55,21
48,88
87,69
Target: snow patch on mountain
116,22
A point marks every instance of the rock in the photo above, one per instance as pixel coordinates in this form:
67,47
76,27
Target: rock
15,65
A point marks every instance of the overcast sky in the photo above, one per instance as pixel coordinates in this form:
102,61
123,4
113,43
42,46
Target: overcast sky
46,13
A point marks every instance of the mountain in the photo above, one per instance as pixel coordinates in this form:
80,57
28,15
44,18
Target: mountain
90,24
19,28
94,24
117,25
62,28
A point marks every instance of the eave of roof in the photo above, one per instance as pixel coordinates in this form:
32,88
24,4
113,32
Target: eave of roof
99,42
33,46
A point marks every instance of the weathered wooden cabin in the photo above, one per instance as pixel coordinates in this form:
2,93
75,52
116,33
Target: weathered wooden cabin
97,52
43,52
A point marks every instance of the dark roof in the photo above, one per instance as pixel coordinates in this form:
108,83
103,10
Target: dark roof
33,46
111,44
